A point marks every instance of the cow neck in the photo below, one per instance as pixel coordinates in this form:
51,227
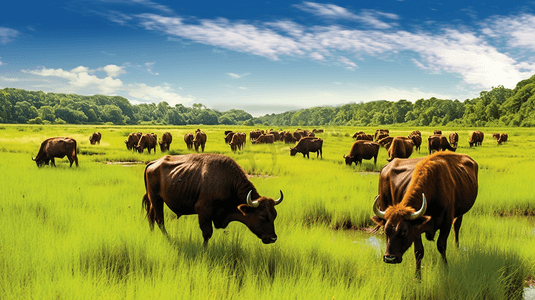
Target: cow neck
420,183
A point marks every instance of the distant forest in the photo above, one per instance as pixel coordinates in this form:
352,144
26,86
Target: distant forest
497,107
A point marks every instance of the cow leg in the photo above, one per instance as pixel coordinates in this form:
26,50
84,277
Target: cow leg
52,162
442,241
456,227
205,222
418,253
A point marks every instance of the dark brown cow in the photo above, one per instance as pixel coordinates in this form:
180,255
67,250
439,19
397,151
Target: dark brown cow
200,140
438,142
265,139
423,195
364,137
188,139
95,138
417,140
288,138
454,139
228,137
276,135
306,145
147,141
212,186
381,133
437,132
165,142
132,140
253,135
227,132
357,134
401,148
476,138
362,150
238,141
56,147
317,130
386,142
415,132
503,138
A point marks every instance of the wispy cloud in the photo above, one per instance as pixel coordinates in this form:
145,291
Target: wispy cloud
8,35
156,94
237,76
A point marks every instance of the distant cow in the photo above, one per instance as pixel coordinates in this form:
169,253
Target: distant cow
417,140
95,138
147,141
288,138
357,134
381,133
364,137
476,138
165,142
200,140
454,139
386,142
56,147
188,139
317,130
306,145
362,150
503,138
437,132
401,148
438,142
214,187
253,135
238,141
228,137
265,139
132,140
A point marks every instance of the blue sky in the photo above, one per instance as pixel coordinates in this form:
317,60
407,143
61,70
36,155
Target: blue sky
266,56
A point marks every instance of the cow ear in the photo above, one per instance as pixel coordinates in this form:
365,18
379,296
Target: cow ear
245,209
379,221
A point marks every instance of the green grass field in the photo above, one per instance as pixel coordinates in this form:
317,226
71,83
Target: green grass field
81,233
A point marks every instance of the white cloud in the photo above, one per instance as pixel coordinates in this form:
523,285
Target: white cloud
8,35
237,76
149,66
350,65
113,70
1,63
156,94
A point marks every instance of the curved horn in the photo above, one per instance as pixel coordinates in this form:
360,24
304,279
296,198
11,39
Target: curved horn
422,210
376,210
250,202
278,201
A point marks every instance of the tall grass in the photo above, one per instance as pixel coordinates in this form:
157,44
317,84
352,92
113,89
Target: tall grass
80,233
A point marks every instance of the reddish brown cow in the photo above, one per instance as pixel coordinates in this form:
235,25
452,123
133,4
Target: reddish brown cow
95,138
212,186
423,195
200,140
503,138
454,139
364,137
317,130
362,150
188,139
165,142
228,137
357,134
438,142
381,133
132,140
386,142
147,141
253,135
437,132
56,147
288,138
476,138
417,140
306,145
265,139
401,148
238,141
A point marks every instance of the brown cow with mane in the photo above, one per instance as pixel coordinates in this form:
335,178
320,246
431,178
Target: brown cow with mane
417,140
200,140
132,140
165,142
423,195
401,147
95,138
147,141
476,138
362,150
238,141
188,139
56,147
214,187
306,145
454,139
438,142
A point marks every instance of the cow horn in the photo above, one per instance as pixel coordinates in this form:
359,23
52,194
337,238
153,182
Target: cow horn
376,210
250,202
422,210
278,201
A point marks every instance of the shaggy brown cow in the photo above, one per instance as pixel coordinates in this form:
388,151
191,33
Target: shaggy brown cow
253,135
200,140
415,132
188,139
212,186
306,145
147,141
95,138
423,195
438,142
265,139
437,132
132,140
56,147
401,148
454,139
357,134
417,140
165,142
362,150
503,138
476,138
238,141
228,137
364,137
386,142
381,133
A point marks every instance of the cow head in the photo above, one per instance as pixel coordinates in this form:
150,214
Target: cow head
260,215
163,146
402,226
293,151
348,160
40,161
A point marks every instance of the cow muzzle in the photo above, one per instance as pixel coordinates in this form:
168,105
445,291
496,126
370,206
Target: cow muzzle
269,240
391,259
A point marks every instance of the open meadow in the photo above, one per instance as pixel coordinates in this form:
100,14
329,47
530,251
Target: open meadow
81,233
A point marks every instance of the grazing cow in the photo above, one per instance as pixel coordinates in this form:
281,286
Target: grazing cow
276,135
423,195
253,135
238,141
56,147
496,136
306,145
503,138
317,130
212,186
228,137
476,138
438,142
381,133
362,150
454,139
147,141
227,132
95,138
188,139
401,148
437,132
386,142
265,139
288,138
132,140
200,140
165,142
357,134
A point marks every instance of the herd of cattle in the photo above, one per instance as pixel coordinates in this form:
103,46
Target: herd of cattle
415,195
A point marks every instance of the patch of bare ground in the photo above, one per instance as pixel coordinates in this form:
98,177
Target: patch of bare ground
125,163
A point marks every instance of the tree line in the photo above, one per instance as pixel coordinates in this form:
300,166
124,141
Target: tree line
498,107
